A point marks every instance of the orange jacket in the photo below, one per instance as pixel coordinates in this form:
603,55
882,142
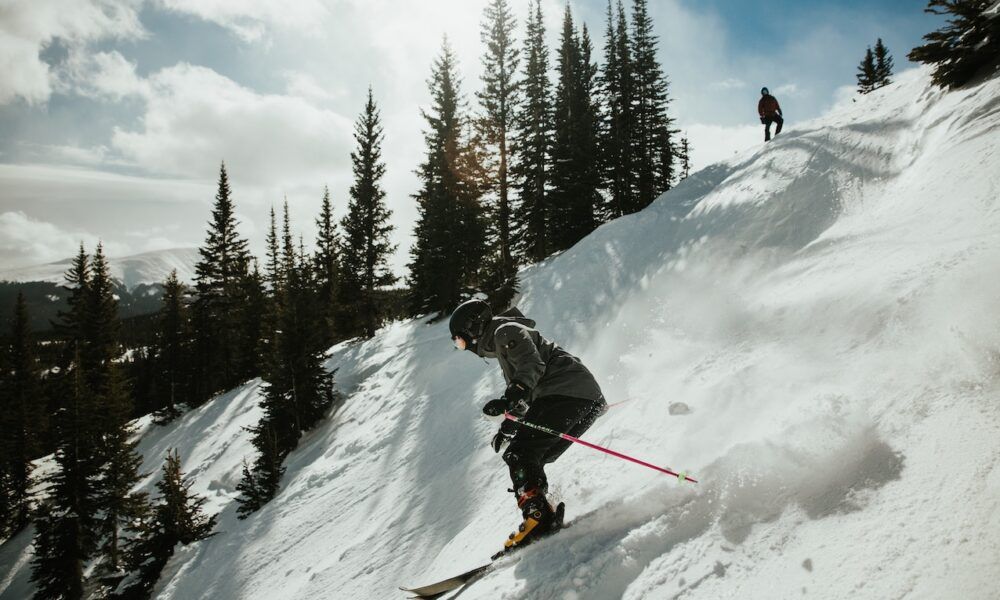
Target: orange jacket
768,106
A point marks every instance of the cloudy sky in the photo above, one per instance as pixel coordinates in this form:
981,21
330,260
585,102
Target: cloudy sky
115,114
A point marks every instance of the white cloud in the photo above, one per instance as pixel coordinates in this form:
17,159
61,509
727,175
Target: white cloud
251,20
304,85
27,27
195,118
25,241
101,75
788,89
731,83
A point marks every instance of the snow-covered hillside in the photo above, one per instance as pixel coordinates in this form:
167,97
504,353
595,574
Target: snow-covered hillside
825,306
132,271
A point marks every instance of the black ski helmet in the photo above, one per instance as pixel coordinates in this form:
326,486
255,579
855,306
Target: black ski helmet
764,92
469,322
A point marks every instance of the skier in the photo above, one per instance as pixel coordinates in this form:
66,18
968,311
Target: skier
770,112
546,386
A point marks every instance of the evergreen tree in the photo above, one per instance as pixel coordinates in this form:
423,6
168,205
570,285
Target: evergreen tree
64,524
327,268
532,146
967,45
172,350
447,255
651,127
177,518
499,99
575,176
685,157
274,271
220,275
883,64
617,115
20,420
867,75
298,389
250,317
118,507
365,246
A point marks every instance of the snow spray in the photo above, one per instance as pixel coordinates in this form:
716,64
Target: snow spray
682,476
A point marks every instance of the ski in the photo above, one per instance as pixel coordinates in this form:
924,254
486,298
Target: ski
444,586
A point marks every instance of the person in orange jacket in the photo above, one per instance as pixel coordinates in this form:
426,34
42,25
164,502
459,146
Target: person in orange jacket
770,112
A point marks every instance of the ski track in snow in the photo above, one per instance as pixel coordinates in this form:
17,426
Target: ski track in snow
824,305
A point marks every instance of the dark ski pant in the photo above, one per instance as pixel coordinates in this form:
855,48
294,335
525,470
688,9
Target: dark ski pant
531,449
767,126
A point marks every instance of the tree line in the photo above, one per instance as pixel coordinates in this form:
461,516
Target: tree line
95,536
539,164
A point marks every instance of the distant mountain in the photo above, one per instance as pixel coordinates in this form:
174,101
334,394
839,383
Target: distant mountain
131,271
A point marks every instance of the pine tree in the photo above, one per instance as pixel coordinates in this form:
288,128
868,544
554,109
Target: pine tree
617,115
365,247
967,45
177,518
20,420
274,271
249,318
328,278
447,255
64,524
532,146
651,126
499,99
172,345
298,390
883,65
867,75
685,157
118,507
575,176
220,277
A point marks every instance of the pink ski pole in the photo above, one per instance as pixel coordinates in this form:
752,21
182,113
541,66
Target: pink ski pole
682,476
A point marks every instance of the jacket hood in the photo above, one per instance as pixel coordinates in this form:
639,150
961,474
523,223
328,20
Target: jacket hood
485,346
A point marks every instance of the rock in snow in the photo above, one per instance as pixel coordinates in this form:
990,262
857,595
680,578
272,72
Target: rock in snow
826,303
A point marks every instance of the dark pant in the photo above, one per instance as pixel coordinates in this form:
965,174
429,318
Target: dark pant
531,449
767,126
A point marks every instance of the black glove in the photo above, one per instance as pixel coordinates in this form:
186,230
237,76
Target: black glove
503,435
763,121
517,398
495,408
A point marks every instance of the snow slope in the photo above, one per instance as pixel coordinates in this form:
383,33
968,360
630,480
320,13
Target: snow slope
132,271
824,305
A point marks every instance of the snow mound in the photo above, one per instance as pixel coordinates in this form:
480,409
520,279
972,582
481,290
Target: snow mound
132,271
824,309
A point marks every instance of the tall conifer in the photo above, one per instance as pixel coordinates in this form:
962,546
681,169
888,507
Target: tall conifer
21,417
366,247
499,99
447,255
220,274
532,146
651,130
327,270
575,175
617,115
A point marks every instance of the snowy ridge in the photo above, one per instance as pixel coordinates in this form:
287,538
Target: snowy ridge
132,271
825,305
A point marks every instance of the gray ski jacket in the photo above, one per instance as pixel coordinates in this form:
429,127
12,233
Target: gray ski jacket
535,362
